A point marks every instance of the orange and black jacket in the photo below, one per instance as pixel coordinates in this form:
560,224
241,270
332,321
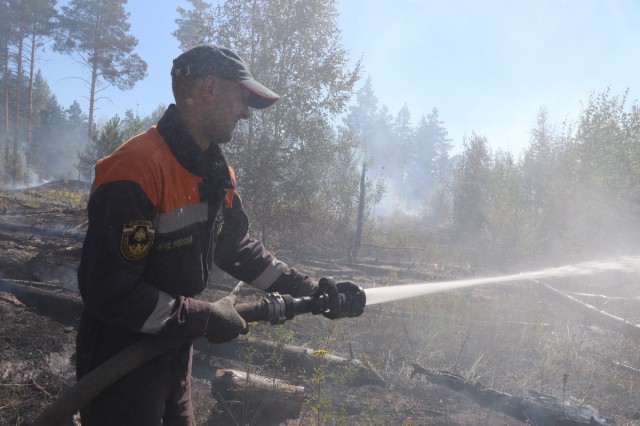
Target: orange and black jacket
160,212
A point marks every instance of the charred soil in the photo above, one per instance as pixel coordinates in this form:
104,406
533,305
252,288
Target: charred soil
514,338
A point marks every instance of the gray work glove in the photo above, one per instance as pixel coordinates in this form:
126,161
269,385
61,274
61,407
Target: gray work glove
224,324
308,288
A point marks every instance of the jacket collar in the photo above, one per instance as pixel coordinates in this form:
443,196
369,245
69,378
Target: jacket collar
210,164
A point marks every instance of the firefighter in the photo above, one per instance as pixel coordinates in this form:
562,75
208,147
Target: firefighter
163,208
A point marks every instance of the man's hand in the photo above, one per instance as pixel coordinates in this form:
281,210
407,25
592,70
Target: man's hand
225,324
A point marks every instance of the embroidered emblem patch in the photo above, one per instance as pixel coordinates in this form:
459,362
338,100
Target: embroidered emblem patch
137,238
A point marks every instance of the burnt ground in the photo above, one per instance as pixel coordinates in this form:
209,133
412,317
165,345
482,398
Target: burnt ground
518,339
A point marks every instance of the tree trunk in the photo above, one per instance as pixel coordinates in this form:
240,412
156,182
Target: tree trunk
18,90
6,102
30,106
358,241
92,102
74,234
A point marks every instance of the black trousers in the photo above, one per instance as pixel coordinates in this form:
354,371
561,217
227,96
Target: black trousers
156,393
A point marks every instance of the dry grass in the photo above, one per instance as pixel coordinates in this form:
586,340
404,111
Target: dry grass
72,195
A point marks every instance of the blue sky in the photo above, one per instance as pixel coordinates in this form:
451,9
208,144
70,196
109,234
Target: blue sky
487,66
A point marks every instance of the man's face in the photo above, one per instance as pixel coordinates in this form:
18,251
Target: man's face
226,105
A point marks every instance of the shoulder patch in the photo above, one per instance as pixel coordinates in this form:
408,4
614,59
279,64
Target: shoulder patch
137,238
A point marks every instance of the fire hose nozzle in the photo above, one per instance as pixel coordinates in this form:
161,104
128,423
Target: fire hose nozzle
276,308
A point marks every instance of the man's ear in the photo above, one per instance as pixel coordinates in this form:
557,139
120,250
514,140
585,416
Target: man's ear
210,86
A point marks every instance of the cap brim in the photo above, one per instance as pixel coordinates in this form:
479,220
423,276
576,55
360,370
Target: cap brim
259,96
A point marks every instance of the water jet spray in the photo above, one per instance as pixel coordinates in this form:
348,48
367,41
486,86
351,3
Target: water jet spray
392,293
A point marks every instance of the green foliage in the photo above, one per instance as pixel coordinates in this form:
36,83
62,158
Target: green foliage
506,217
471,186
86,159
598,170
134,124
427,156
195,24
57,135
570,194
14,169
110,137
319,406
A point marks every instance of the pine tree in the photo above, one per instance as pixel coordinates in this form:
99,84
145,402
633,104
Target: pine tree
471,186
96,33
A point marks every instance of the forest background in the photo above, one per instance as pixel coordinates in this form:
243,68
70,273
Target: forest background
572,193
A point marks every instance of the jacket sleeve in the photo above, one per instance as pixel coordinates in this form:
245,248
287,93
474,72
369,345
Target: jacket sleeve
248,260
111,272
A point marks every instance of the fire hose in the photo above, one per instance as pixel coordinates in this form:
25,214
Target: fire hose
274,309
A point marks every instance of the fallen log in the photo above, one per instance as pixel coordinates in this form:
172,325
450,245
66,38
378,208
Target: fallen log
535,408
352,371
625,367
63,306
13,200
604,318
55,231
255,399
